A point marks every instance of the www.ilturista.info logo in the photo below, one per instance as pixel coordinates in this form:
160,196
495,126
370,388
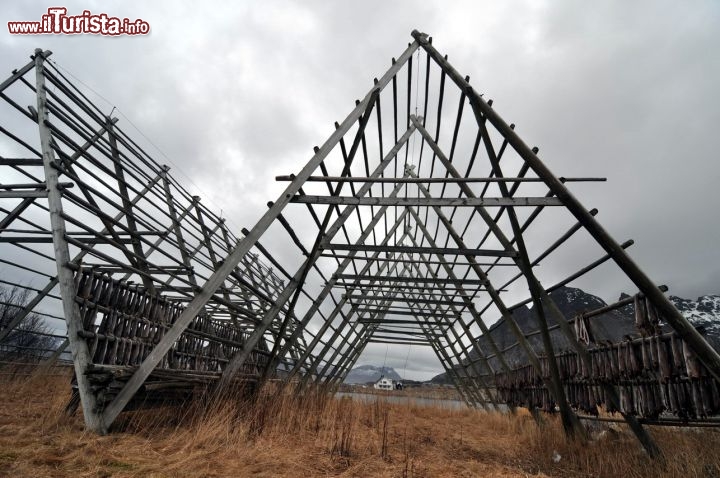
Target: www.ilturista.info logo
57,21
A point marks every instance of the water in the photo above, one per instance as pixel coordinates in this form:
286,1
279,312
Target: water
406,400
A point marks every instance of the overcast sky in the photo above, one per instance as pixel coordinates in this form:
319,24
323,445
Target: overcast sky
238,94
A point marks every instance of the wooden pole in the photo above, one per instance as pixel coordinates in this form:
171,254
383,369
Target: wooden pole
425,202
78,346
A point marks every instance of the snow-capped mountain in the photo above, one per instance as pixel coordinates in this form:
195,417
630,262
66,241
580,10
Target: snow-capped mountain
705,311
370,373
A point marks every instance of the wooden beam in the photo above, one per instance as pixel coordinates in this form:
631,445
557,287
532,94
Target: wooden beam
401,322
17,74
422,250
141,257
438,280
407,340
47,240
66,280
449,288
371,297
399,342
22,194
405,180
410,261
421,201
21,162
404,312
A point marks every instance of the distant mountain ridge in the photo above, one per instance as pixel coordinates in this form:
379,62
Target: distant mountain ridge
370,373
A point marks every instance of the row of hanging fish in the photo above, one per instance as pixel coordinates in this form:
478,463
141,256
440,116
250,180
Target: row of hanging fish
122,323
651,375
683,398
658,357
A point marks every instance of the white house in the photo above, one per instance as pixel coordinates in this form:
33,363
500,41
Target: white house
385,383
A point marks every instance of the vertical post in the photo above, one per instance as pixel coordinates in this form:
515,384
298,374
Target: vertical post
142,263
207,240
177,229
78,346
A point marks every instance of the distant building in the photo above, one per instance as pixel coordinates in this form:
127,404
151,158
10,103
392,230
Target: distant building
385,383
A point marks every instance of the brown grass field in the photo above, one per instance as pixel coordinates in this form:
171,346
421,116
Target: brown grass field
278,434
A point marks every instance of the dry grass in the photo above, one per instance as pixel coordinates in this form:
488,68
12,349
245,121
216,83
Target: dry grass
278,434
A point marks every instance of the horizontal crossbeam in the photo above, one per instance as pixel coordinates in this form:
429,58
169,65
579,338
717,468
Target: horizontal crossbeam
428,202
409,261
400,322
49,240
372,297
410,180
406,312
21,162
422,250
22,194
405,339
449,288
399,342
432,280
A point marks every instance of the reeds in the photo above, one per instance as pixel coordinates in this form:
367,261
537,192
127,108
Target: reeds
277,431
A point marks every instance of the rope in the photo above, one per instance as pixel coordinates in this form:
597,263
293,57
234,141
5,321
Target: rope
417,94
382,371
406,361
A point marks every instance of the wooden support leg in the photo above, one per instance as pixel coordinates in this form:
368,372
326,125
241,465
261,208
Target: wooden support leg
66,282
